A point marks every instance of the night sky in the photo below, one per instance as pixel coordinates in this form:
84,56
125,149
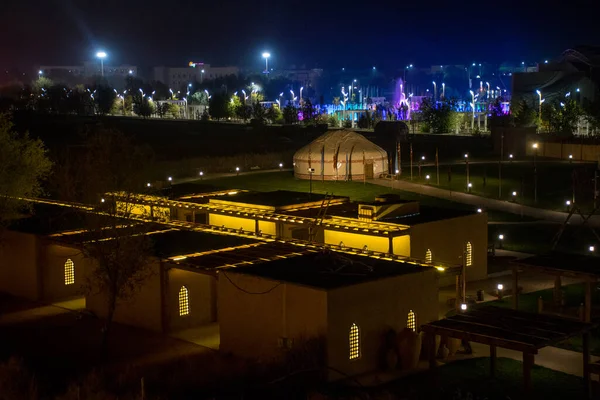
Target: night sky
328,34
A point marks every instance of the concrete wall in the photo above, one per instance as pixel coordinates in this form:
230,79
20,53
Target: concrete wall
247,224
143,309
19,265
357,240
202,292
580,152
447,241
376,307
251,325
53,257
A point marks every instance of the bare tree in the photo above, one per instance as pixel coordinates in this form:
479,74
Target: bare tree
110,172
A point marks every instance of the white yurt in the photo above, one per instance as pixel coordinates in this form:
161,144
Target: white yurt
340,155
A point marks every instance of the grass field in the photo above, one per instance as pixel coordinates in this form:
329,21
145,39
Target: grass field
469,379
357,191
554,182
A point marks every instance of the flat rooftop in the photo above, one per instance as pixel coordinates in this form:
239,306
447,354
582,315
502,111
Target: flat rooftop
327,269
46,219
350,210
181,242
279,199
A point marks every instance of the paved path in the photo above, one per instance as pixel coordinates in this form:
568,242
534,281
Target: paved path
484,202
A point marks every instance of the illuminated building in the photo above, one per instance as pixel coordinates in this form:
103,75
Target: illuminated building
340,155
348,301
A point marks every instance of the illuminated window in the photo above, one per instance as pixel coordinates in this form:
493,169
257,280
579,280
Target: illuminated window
354,338
411,323
428,257
469,254
69,272
184,301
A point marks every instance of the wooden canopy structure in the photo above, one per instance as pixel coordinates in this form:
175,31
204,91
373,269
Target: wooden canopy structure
510,329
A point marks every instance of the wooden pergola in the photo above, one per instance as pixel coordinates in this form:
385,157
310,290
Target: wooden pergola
510,329
584,268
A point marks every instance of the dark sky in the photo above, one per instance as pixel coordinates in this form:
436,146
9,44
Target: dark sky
322,33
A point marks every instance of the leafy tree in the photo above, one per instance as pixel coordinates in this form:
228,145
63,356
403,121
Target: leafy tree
438,117
591,112
308,112
274,115
524,115
561,116
243,112
218,106
347,123
199,98
104,97
333,121
143,106
23,166
365,121
290,114
233,105
259,112
173,110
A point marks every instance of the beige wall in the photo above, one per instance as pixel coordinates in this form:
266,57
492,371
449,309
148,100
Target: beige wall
247,224
202,292
584,152
19,265
53,257
252,324
376,307
357,241
268,227
402,245
447,240
143,309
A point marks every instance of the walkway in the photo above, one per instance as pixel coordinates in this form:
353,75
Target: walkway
484,202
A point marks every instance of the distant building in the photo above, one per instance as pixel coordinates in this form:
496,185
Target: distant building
575,72
178,77
89,73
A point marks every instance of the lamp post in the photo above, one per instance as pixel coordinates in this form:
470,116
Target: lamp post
101,55
488,89
443,91
467,167
201,76
434,91
540,105
293,96
301,88
280,96
473,108
535,150
407,67
266,56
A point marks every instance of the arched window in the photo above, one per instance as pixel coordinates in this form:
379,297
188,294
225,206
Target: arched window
184,301
69,272
411,322
354,339
469,255
428,256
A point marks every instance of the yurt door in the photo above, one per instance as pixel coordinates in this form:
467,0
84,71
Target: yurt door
369,170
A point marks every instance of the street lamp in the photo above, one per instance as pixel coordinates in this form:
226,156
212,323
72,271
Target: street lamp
201,76
266,56
592,249
463,307
434,91
473,108
467,165
488,89
101,55
540,104
237,170
469,186
301,88
500,240
443,91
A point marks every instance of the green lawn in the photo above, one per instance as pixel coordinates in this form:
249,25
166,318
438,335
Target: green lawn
538,238
357,191
470,379
554,187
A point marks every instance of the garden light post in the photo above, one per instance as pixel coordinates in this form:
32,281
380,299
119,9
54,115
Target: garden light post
535,150
467,167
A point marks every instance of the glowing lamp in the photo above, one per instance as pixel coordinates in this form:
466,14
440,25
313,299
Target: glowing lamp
500,286
280,165
510,156
535,145
469,185
463,307
514,194
397,172
148,184
170,179
568,202
466,155
570,156
237,168
479,210
501,237
201,173
592,249
427,177
423,158
102,200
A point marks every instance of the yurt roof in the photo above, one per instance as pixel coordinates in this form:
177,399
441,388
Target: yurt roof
341,141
